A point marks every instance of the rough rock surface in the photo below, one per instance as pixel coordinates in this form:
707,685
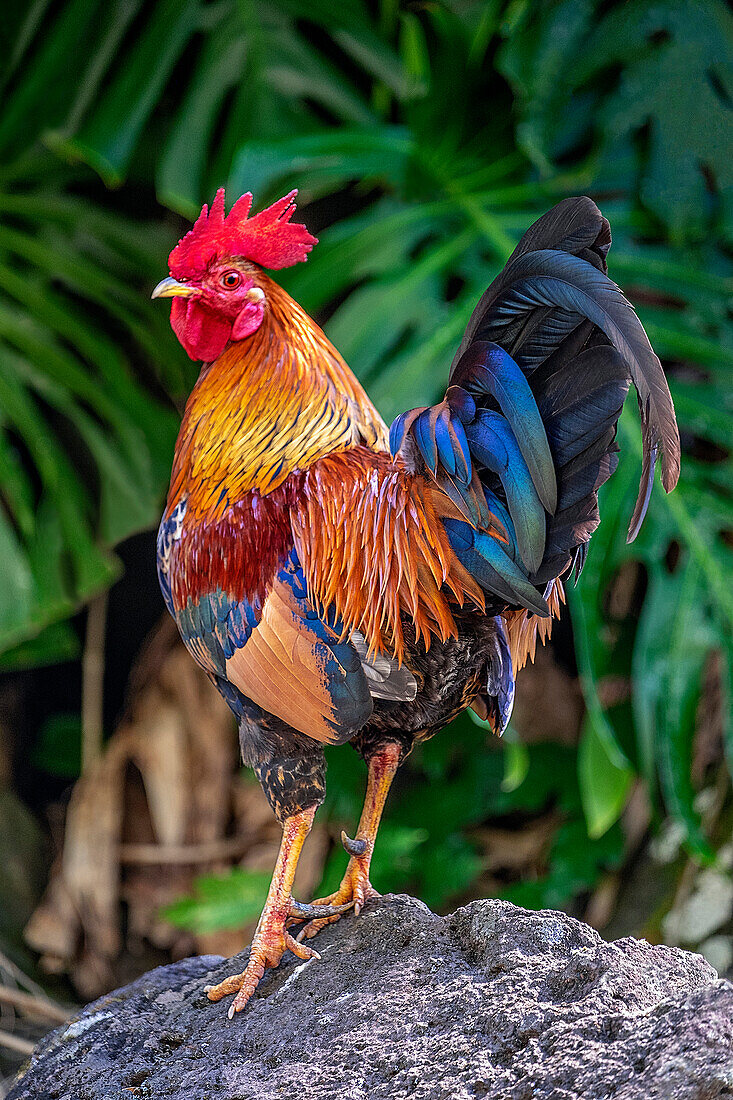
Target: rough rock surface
492,1001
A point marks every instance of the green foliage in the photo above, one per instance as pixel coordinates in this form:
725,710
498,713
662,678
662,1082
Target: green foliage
221,901
441,132
516,761
84,448
58,748
56,643
685,618
667,115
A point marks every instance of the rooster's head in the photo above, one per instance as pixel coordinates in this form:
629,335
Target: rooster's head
215,272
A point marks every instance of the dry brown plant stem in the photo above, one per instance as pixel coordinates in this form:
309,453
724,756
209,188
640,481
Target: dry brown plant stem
32,1005
181,854
14,1042
92,683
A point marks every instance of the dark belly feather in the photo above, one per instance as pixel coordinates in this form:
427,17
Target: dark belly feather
450,674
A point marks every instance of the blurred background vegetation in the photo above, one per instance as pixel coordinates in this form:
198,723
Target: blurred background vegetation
425,137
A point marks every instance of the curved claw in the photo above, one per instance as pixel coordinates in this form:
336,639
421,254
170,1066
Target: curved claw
360,889
355,848
305,911
266,951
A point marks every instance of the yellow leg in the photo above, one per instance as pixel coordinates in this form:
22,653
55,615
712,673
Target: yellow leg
355,888
271,939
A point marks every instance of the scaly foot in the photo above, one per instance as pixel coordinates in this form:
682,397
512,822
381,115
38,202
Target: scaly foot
271,941
354,891
355,888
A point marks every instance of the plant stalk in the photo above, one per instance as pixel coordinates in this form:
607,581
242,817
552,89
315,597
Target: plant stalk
92,683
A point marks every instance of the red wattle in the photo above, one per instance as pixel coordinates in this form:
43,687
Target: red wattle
203,333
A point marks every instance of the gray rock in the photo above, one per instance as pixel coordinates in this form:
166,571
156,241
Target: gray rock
492,1001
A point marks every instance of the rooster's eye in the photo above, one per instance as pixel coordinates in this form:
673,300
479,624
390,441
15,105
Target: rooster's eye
231,279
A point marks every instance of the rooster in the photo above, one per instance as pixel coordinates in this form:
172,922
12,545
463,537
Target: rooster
343,583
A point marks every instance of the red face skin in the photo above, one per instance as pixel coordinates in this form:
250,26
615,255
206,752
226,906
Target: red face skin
228,305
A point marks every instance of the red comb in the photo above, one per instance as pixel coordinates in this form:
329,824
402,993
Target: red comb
269,238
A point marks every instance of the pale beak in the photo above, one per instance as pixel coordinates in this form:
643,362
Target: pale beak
171,288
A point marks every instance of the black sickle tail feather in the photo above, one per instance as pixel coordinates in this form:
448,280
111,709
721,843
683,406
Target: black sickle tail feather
528,424
580,400
554,294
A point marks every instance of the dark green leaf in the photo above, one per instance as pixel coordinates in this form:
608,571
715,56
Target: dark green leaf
221,901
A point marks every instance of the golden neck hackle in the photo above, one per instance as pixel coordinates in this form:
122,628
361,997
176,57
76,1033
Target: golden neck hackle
271,404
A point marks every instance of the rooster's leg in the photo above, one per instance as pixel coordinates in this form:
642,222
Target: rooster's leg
271,939
355,886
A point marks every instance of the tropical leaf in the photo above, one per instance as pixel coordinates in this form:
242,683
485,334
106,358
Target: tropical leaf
686,616
221,901
671,67
677,79
84,447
